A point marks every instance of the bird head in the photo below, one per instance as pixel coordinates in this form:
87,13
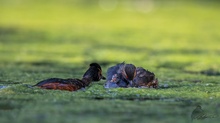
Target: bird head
94,72
129,73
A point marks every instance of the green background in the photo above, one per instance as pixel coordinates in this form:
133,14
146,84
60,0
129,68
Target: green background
178,40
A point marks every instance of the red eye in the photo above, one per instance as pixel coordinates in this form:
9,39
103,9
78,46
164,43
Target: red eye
126,77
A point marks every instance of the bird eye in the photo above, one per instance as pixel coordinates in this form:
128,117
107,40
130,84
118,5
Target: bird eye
126,77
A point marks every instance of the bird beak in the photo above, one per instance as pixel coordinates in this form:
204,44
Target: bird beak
103,78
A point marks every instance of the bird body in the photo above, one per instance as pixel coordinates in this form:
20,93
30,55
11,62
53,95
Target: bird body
113,77
61,84
127,75
94,73
145,78
120,75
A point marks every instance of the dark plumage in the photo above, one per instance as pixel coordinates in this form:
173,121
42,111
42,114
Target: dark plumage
127,75
94,73
120,75
145,78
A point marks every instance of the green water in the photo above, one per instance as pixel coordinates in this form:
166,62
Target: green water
177,40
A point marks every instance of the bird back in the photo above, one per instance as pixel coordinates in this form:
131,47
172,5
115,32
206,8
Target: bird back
143,77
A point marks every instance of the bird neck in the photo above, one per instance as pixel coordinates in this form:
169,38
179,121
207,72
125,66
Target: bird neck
87,80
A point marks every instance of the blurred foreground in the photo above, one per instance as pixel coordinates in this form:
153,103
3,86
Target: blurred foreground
177,40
